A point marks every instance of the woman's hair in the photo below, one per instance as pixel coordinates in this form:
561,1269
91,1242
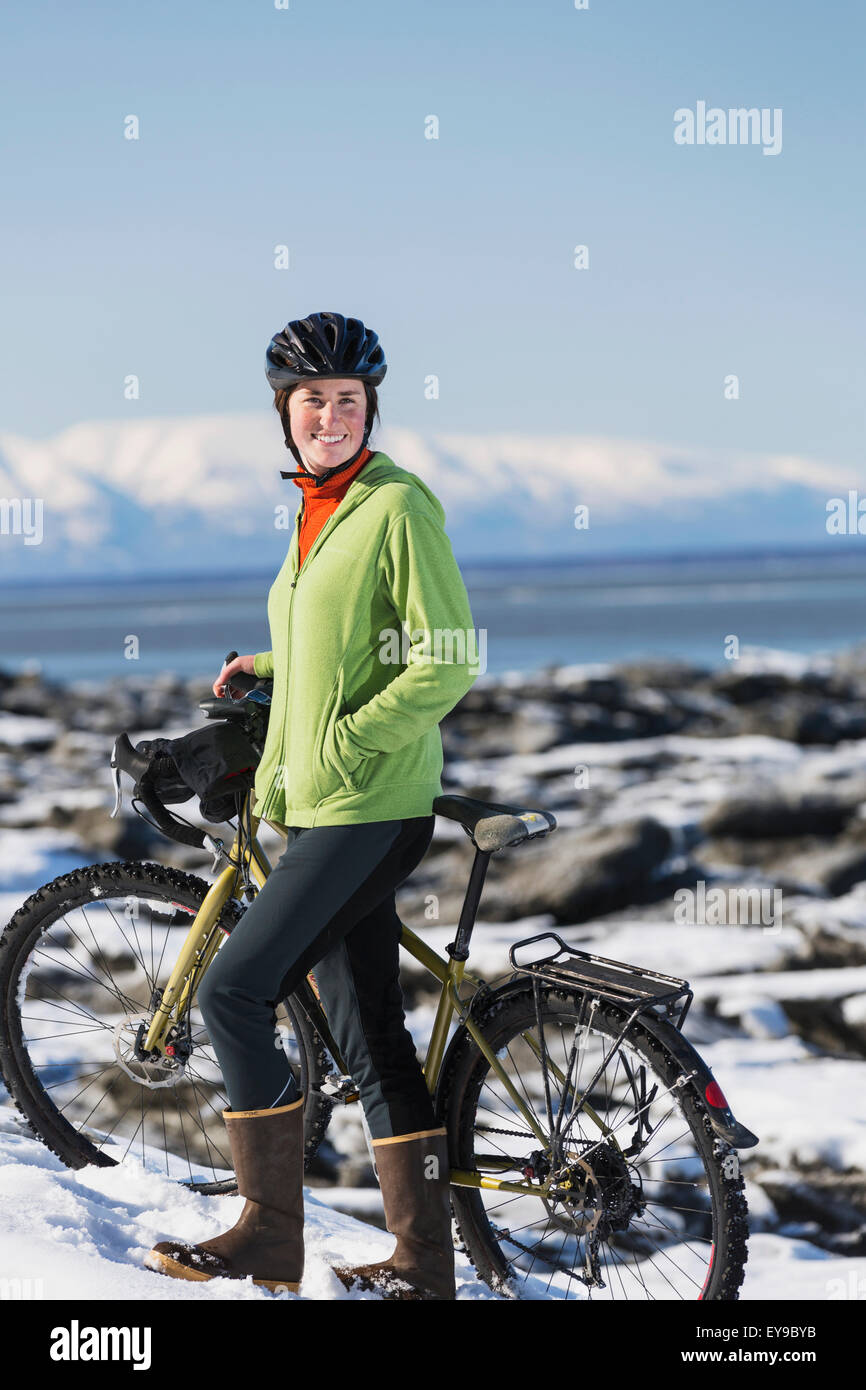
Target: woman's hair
281,405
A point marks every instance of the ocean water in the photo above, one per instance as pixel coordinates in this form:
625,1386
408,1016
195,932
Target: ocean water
527,614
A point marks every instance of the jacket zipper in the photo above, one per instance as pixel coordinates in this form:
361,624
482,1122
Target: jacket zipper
292,586
282,763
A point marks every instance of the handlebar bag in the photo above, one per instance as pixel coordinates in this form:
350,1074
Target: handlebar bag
217,763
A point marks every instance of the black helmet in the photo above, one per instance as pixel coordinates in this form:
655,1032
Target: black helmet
324,345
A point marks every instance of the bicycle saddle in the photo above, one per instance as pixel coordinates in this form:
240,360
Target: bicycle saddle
492,825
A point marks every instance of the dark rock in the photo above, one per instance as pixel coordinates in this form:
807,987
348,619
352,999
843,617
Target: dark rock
577,874
127,837
804,723
835,1203
822,1023
835,869
777,816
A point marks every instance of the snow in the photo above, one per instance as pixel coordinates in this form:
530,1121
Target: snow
760,1017
38,804
684,951
82,1235
793,1271
805,1109
29,857
854,1010
790,984
22,730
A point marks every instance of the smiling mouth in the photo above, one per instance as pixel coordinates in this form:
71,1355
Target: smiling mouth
330,439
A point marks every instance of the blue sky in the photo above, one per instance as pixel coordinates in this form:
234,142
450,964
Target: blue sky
306,127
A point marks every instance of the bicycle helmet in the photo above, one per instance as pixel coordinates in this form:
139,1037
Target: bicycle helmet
324,345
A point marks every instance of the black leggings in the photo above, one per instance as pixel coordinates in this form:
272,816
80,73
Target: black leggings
329,904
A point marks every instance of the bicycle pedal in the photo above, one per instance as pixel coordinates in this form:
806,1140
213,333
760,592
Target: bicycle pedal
340,1089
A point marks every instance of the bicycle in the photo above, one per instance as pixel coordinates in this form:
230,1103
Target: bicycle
592,1153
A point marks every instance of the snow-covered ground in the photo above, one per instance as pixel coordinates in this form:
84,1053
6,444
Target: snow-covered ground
76,1235
771,1008
83,1234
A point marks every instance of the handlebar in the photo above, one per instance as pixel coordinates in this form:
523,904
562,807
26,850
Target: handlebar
125,757
240,680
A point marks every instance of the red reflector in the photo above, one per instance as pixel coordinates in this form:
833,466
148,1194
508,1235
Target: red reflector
714,1096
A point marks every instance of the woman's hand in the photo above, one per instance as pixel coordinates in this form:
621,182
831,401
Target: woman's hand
222,687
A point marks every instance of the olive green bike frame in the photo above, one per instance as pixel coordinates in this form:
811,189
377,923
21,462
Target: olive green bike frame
204,939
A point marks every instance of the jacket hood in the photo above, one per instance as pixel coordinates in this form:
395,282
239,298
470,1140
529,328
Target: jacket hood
382,469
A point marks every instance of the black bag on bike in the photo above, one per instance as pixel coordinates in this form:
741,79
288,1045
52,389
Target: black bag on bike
217,763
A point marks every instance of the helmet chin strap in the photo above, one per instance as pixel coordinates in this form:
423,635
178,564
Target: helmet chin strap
321,478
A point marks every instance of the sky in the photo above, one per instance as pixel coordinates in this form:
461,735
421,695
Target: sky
305,127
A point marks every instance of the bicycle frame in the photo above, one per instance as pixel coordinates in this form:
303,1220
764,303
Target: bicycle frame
203,941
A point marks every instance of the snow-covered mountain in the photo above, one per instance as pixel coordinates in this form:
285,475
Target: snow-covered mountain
200,493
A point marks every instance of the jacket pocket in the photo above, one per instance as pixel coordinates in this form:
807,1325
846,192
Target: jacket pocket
326,774
338,777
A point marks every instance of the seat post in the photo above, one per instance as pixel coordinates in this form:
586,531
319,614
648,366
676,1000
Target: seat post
459,948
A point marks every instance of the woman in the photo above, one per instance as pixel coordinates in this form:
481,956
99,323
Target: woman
351,767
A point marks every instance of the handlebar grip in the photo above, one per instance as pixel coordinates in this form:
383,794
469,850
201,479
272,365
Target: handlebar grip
124,756
240,680
174,829
136,765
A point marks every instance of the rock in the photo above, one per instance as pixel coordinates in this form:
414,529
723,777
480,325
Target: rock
30,694
127,837
536,727
826,722
773,815
835,869
579,874
750,687
822,1023
832,1203
661,674
760,1017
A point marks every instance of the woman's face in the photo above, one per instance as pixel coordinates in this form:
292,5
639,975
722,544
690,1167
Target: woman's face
327,421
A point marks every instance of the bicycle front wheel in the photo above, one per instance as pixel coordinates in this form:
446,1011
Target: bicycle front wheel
79,964
640,1200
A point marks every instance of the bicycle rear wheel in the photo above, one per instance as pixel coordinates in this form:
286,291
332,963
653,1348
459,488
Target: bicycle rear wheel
79,963
649,1201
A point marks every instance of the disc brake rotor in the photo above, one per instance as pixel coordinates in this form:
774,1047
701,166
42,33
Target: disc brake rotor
154,1073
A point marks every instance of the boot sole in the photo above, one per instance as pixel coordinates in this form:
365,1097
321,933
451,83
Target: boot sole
164,1264
393,1288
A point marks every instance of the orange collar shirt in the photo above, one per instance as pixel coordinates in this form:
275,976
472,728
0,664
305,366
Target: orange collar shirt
321,502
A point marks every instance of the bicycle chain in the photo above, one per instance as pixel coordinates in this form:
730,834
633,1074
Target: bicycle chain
514,1133
560,1269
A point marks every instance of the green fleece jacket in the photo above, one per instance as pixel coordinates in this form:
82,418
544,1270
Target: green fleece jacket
354,725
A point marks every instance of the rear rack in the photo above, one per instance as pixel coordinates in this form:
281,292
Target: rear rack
630,985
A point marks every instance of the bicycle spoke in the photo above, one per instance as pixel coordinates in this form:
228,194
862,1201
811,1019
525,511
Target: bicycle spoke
624,1207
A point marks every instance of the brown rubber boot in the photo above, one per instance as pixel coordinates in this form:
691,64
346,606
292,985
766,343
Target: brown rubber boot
268,1241
415,1180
